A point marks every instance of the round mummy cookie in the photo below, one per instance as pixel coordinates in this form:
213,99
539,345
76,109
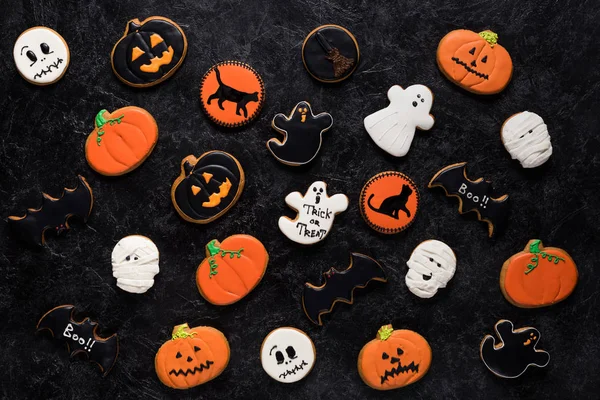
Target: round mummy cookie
430,267
41,55
134,263
525,136
287,354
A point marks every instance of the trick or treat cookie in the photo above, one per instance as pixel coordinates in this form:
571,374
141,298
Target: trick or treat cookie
389,202
41,55
232,94
431,266
55,213
393,128
81,337
473,196
287,354
134,263
538,276
475,61
514,352
149,51
330,53
192,356
526,138
395,358
121,141
339,286
207,187
232,269
316,212
302,135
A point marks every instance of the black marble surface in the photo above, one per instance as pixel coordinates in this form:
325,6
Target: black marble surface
554,46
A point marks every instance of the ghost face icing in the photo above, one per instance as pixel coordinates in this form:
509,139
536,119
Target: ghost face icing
41,55
287,355
135,262
525,136
430,267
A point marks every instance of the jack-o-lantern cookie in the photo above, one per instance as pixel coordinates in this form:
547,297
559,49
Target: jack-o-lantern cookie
134,263
149,51
121,140
192,356
431,266
475,61
287,354
232,93
538,276
389,202
526,138
207,187
395,358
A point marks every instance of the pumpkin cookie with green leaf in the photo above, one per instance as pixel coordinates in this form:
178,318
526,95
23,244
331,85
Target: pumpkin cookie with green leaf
121,140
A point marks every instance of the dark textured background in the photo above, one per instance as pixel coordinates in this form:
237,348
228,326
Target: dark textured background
554,46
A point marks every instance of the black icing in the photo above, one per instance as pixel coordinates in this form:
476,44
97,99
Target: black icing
315,55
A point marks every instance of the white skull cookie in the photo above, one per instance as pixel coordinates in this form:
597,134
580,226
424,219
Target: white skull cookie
287,354
135,262
431,266
41,55
525,136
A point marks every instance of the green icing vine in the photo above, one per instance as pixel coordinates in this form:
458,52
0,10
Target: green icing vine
534,248
181,334
490,37
214,250
100,122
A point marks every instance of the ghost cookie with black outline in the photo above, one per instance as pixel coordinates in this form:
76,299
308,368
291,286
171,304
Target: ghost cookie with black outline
287,354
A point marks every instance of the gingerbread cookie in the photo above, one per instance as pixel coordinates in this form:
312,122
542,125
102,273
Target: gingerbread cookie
41,55
526,138
287,354
330,53
135,263
431,266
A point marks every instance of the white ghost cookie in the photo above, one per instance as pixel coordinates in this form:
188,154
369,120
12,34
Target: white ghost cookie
316,212
393,127
431,266
525,136
41,55
287,354
135,262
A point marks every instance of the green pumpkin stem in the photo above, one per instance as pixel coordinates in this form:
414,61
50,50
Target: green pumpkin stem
490,37
180,333
534,248
213,249
100,122
385,332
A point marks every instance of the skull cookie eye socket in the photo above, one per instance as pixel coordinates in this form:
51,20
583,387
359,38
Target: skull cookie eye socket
291,352
279,357
31,55
178,355
385,356
45,48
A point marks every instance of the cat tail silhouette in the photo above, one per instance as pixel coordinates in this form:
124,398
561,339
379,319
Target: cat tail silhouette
218,76
371,205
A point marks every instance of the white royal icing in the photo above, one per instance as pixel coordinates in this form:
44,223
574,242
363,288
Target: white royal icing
41,55
135,262
316,212
287,355
431,266
525,136
393,128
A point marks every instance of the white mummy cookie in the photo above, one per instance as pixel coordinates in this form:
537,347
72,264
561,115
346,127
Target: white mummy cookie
41,55
430,267
316,211
135,262
525,136
287,354
393,128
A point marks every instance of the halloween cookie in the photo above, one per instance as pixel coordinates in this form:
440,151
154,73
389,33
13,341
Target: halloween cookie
395,358
207,187
121,141
81,337
41,55
389,202
54,213
538,276
526,138
302,135
330,53
339,286
232,93
287,354
515,351
475,61
316,212
134,263
430,267
192,356
393,128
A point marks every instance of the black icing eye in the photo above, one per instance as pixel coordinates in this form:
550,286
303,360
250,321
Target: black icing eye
385,356
128,258
472,51
31,55
321,190
400,352
531,131
45,48
439,265
178,355
422,100
431,259
196,348
315,190
418,96
484,59
135,258
291,352
279,357
415,103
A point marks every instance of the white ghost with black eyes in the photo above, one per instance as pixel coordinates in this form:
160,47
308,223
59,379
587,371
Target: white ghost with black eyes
431,266
287,354
525,136
134,263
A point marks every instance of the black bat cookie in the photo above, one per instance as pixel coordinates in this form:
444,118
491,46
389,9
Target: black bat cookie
81,337
340,285
473,196
54,213
516,351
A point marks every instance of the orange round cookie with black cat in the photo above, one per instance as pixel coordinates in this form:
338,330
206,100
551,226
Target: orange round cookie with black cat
232,93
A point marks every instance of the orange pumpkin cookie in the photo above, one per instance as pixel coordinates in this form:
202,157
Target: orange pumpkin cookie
192,357
121,140
475,61
232,93
395,358
538,276
231,269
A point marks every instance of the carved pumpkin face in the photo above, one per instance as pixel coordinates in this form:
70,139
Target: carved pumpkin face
394,359
192,357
